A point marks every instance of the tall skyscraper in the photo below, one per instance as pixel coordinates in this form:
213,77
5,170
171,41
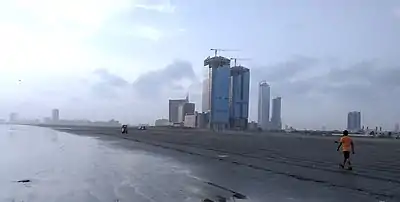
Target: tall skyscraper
263,105
55,115
173,109
205,96
276,122
216,94
239,97
354,121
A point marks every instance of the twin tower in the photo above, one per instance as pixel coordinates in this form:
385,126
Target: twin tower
225,96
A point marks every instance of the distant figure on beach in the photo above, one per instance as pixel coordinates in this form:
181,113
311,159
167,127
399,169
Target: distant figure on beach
347,145
124,129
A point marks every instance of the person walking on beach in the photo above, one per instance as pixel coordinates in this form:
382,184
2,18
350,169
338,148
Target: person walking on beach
347,145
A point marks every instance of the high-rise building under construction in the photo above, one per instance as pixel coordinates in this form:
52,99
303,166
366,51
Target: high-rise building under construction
216,91
239,97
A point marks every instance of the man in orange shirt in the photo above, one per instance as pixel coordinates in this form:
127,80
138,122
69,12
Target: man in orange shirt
346,143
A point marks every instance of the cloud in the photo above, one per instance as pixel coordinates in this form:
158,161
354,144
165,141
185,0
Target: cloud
154,33
172,80
371,77
111,93
285,70
110,79
78,13
103,94
47,37
164,7
396,12
325,98
108,86
146,32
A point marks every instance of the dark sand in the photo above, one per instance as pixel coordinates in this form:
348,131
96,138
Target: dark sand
303,160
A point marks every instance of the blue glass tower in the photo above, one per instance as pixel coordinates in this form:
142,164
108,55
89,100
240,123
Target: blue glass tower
216,92
239,97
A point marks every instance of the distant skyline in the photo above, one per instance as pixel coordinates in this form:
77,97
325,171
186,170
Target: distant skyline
116,59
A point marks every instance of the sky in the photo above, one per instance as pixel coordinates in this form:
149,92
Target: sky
123,59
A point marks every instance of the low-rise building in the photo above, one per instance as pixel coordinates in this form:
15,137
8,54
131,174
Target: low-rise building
203,120
252,125
185,109
190,121
162,122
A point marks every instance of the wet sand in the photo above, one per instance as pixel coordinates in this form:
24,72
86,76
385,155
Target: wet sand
303,164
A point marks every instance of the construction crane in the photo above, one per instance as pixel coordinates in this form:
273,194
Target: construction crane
236,59
218,49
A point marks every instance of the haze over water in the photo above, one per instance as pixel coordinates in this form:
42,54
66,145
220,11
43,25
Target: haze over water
65,167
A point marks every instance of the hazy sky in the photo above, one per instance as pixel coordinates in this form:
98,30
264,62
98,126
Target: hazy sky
123,59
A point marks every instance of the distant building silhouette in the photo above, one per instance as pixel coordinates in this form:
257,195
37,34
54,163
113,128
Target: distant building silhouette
13,117
162,122
184,109
173,109
264,98
276,122
202,119
239,95
205,96
55,115
396,127
354,121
